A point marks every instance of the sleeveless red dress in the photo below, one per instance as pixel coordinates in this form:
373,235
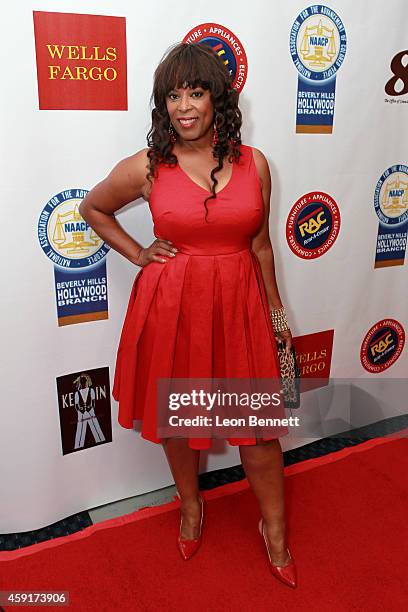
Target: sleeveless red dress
204,313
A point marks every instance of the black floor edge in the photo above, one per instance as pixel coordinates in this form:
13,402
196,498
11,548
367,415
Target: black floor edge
218,478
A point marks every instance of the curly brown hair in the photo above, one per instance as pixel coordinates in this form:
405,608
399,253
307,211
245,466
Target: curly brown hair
194,65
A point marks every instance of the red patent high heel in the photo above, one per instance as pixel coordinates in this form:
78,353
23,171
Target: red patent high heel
285,573
186,547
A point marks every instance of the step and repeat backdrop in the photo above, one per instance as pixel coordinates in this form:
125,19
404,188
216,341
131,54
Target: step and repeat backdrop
324,94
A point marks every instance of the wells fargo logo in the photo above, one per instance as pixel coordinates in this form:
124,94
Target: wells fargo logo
314,356
81,61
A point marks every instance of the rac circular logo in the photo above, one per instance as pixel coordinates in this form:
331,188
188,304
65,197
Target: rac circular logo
227,46
382,345
313,225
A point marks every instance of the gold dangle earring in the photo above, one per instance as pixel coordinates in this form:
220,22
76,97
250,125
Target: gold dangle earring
172,133
215,135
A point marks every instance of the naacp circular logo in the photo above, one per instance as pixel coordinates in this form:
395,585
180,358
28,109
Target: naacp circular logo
382,345
313,225
64,235
318,43
227,45
391,196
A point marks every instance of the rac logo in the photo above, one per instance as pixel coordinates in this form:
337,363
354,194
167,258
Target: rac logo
381,344
312,223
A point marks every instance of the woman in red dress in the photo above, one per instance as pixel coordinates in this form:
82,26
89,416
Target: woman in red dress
205,302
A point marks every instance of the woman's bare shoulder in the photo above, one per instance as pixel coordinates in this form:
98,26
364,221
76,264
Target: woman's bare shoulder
259,156
137,164
134,169
262,166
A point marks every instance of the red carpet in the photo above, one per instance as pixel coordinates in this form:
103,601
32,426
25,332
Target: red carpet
347,518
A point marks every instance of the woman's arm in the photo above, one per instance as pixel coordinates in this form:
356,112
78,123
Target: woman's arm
262,246
261,243
123,184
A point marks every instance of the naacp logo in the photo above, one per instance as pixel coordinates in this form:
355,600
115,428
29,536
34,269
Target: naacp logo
318,43
313,225
382,345
226,45
65,237
391,196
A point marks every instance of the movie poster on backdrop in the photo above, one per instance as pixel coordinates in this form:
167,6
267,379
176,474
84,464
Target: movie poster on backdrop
84,409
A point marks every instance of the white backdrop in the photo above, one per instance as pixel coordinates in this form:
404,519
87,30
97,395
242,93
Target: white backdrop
44,152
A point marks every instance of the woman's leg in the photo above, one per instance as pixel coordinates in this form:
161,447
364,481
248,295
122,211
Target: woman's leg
263,466
184,462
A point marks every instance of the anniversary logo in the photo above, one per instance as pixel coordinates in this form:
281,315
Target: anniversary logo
391,206
397,85
84,409
382,345
227,45
81,61
313,225
317,46
78,255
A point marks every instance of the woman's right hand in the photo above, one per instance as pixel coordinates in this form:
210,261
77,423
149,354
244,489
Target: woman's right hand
155,252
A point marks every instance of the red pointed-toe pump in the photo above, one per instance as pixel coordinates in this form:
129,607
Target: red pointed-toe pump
286,573
186,547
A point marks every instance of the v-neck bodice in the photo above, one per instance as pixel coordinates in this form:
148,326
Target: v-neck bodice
234,216
189,178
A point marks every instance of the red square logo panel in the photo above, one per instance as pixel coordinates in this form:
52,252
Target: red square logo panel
81,61
314,356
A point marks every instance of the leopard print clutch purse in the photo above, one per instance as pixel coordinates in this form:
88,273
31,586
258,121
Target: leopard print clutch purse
290,375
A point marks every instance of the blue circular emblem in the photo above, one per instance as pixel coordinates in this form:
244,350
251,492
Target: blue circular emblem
65,237
318,43
313,225
391,196
227,45
225,51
